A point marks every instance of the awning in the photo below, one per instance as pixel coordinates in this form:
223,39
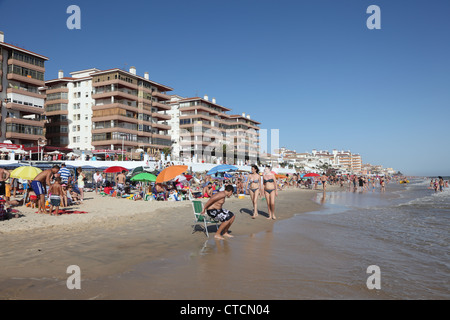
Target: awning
11,146
47,149
108,151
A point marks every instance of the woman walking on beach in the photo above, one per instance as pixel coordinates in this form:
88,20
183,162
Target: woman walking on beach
270,191
253,184
80,182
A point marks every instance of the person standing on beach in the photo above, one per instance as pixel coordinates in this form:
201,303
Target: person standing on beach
56,192
270,191
324,180
65,174
80,182
4,176
214,209
39,185
120,180
253,184
98,181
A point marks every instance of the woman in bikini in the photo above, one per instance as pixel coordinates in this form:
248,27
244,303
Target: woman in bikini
253,184
270,191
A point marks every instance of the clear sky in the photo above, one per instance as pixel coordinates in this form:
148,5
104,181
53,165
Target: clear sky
311,69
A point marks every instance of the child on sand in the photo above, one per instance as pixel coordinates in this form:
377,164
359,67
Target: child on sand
56,192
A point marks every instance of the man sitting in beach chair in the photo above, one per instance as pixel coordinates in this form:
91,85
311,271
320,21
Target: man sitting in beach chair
214,210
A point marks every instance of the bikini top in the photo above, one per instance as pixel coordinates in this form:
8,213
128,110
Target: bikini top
254,181
270,180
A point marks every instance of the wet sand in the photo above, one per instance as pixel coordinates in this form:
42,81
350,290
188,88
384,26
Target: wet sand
119,237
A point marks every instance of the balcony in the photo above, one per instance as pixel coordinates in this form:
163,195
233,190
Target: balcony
26,65
160,105
28,79
24,108
33,94
116,82
161,126
107,93
27,122
57,90
161,116
160,95
23,131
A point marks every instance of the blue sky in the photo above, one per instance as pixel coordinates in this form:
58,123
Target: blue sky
309,68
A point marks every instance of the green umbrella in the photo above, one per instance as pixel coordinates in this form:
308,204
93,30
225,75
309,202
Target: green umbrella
144,176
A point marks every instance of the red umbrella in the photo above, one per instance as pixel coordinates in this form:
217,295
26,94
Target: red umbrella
311,175
114,169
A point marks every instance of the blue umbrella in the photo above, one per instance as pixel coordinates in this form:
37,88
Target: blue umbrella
221,168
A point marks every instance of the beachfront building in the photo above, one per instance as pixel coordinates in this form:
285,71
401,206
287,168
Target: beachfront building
198,129
129,112
109,110
21,100
68,109
348,160
203,131
243,134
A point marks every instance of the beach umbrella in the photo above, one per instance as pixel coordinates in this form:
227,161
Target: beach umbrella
280,176
25,172
141,169
144,176
180,178
170,173
115,169
311,175
222,168
183,177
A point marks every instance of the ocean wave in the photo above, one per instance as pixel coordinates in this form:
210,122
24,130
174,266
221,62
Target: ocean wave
438,200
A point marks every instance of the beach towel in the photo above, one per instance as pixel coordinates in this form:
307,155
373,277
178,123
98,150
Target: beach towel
68,211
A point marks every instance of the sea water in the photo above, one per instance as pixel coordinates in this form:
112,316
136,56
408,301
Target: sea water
326,254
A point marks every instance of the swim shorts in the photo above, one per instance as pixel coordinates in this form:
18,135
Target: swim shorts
55,201
38,188
221,215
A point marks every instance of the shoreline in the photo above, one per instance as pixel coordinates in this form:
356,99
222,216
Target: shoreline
112,239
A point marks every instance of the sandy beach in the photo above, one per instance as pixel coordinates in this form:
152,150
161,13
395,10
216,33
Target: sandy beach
115,235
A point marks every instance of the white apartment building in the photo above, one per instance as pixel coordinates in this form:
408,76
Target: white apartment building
69,110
